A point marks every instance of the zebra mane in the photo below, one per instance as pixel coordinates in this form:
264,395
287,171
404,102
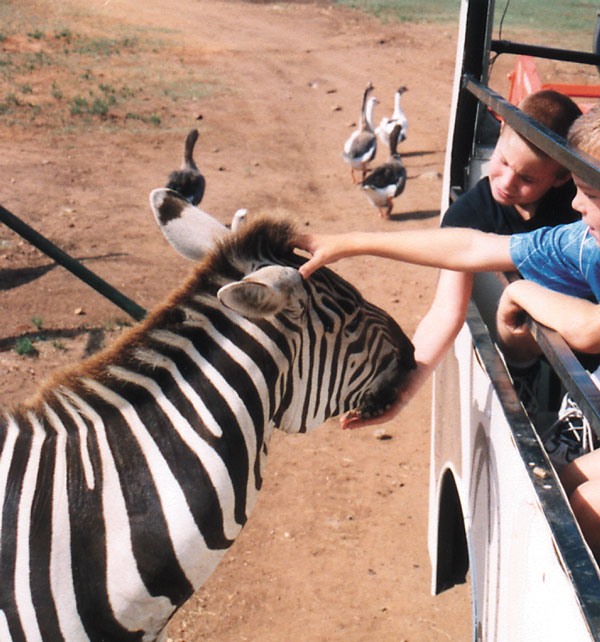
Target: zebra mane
263,239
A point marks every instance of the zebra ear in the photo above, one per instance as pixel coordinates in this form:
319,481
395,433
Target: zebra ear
192,232
267,291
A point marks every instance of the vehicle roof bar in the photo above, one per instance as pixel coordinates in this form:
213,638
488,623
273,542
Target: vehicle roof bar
566,55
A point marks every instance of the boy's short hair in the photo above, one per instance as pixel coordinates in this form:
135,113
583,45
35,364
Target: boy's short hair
585,132
552,109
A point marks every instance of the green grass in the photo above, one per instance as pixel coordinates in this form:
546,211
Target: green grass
24,346
544,15
557,15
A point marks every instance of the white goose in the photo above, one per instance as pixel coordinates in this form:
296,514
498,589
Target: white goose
360,148
386,181
387,125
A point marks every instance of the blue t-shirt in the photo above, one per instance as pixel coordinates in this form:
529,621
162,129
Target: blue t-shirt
565,258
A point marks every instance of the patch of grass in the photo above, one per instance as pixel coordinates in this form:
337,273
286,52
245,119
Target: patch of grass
64,34
24,346
37,322
99,106
152,119
55,92
78,105
111,325
105,46
37,60
94,106
9,104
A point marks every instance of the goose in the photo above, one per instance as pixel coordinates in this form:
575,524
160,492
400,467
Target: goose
239,219
187,180
386,181
360,148
386,125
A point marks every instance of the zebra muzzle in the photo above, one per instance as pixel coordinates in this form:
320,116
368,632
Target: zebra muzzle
377,400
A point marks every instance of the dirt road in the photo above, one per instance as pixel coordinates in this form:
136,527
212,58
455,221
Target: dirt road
336,548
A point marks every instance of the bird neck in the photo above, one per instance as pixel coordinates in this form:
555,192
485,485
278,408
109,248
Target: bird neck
397,106
368,115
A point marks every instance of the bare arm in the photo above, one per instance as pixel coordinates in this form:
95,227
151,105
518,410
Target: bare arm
450,248
576,320
439,327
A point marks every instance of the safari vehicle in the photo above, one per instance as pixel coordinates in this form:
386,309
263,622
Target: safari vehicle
498,512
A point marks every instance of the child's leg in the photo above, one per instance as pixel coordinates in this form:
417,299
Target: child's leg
583,469
581,481
585,502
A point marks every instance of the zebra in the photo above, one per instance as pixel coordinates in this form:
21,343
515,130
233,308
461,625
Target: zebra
125,479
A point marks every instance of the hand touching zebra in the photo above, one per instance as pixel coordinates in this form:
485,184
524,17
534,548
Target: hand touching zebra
126,479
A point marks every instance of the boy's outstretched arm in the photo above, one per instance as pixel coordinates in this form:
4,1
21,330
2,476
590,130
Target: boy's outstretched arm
462,249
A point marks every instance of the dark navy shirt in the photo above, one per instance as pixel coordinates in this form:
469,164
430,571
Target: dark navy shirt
477,209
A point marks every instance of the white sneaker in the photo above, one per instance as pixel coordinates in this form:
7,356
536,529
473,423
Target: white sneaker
570,436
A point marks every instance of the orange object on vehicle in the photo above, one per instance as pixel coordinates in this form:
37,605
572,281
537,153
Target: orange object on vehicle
524,80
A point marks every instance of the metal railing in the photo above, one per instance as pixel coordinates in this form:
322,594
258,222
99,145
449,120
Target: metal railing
71,264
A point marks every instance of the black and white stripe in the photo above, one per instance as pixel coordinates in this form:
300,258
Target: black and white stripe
127,478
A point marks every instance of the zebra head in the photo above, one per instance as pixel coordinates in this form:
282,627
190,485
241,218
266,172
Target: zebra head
341,352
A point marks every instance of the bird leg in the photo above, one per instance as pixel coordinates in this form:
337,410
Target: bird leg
388,210
390,207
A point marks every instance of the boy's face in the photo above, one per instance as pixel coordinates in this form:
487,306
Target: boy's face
519,177
587,201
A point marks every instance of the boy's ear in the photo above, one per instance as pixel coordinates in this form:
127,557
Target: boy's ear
562,178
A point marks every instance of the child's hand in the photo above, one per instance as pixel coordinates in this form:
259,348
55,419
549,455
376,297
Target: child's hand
325,248
510,314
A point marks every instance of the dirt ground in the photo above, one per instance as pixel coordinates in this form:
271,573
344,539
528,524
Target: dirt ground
336,548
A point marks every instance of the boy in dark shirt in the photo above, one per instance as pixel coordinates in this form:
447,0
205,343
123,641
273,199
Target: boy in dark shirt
524,189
